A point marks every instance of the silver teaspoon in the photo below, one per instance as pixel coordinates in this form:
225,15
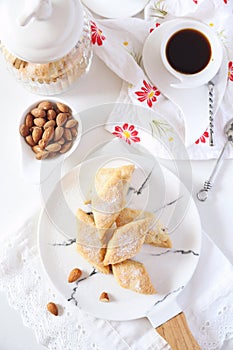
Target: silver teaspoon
202,195
211,112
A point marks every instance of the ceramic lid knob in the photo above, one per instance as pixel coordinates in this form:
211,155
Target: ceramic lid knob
40,31
35,10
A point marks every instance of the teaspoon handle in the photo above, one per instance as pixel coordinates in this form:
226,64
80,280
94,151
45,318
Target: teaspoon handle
211,112
202,195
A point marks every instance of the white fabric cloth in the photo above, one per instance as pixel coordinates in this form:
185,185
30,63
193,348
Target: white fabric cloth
207,302
21,274
120,43
28,289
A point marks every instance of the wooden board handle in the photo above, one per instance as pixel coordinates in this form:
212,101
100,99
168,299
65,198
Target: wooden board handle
177,333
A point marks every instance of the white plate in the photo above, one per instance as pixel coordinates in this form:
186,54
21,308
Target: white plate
169,271
193,102
115,8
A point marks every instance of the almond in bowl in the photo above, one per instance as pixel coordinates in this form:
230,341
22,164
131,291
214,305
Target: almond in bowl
49,128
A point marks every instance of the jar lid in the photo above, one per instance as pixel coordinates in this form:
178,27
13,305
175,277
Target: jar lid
40,31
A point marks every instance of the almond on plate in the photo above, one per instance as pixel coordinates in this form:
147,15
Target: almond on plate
104,297
74,275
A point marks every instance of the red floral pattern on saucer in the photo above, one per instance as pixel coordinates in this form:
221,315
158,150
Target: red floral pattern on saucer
148,93
127,132
203,138
97,36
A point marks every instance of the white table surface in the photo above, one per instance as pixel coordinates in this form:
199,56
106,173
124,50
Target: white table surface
18,198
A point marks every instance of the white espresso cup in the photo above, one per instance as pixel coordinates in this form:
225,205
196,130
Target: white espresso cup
191,52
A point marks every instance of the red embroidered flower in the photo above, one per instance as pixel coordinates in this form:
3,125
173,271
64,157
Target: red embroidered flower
230,70
97,36
148,93
156,26
203,138
225,1
127,132
195,1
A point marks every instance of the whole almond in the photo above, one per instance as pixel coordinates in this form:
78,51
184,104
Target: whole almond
51,114
61,119
67,135
29,120
53,147
52,308
36,134
38,113
104,297
49,123
71,123
36,149
58,132
24,130
61,141
39,121
74,275
74,131
46,105
42,155
48,134
30,140
62,107
65,147
42,144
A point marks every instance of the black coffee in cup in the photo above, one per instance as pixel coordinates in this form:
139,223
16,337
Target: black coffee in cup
188,51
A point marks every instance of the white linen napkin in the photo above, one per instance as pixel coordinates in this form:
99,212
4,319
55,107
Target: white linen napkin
119,44
207,300
28,289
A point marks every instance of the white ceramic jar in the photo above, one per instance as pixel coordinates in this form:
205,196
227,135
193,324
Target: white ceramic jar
46,43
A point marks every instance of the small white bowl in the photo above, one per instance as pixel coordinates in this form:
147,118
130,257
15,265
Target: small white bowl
37,171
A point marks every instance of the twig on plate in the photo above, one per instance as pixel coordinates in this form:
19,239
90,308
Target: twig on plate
181,251
65,243
168,204
167,295
139,191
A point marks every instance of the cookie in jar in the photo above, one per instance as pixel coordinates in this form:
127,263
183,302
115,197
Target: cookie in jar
46,43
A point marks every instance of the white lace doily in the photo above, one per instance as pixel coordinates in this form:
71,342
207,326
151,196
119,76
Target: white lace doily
28,290
208,299
213,324
214,333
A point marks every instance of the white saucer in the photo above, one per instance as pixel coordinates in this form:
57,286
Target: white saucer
115,8
193,102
